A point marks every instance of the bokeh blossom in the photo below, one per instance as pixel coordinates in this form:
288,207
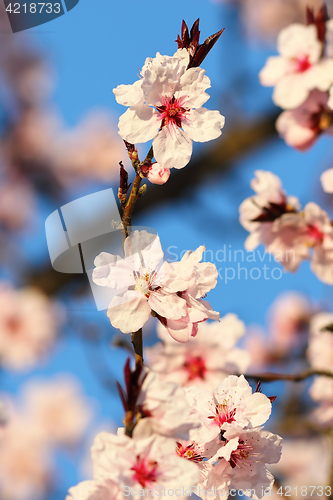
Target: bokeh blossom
28,327
210,356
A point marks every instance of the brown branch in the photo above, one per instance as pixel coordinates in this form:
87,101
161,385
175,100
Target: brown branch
128,210
272,377
137,345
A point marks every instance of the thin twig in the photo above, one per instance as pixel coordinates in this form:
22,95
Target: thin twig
137,344
293,377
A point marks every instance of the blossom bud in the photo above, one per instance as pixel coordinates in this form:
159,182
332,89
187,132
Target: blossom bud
158,174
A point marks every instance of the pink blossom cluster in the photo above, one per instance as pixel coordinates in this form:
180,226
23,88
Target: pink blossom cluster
302,77
190,439
49,413
289,233
29,323
145,284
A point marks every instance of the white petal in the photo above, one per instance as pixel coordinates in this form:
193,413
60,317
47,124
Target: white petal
172,148
146,247
203,124
275,68
129,315
129,95
167,305
117,275
297,40
291,91
138,124
193,83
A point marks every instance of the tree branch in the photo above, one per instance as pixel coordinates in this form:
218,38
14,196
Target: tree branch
272,377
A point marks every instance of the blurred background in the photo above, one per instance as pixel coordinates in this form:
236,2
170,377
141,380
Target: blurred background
59,356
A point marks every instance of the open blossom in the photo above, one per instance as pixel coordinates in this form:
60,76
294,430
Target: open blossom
206,360
288,234
144,283
297,233
257,213
301,126
166,105
164,408
141,463
247,451
232,402
294,71
58,407
28,327
137,280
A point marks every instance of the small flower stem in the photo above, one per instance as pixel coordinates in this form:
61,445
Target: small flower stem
128,209
137,344
272,377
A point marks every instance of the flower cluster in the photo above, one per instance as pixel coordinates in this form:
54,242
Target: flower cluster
189,439
144,284
302,76
275,220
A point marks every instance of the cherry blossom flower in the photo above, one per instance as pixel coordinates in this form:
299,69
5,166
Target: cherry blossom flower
166,106
247,451
232,402
28,326
288,234
301,127
298,233
257,213
137,280
206,360
141,463
294,71
144,283
164,408
58,407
